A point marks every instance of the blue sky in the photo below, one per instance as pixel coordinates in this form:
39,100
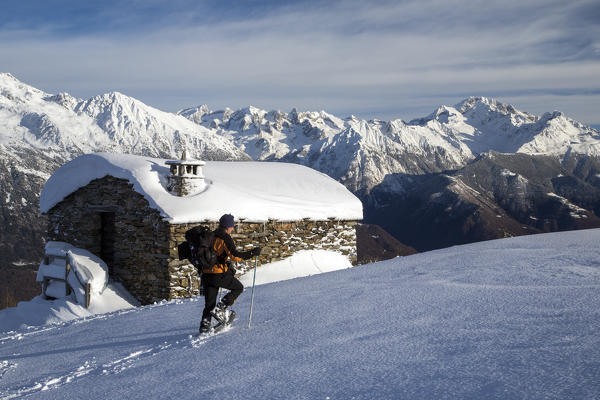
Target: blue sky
373,59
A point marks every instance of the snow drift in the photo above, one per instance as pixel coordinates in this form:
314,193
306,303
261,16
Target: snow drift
86,268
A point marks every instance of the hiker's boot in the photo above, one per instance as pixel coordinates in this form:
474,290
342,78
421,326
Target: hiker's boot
205,325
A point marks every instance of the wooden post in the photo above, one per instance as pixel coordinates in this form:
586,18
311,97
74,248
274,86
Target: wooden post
67,269
88,294
44,287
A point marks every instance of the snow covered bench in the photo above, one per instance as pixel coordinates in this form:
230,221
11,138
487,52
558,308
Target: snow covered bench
67,269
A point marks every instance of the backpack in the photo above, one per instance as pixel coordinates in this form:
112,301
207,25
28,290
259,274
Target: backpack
198,248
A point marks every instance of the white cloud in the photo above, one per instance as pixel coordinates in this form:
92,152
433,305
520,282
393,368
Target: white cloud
346,57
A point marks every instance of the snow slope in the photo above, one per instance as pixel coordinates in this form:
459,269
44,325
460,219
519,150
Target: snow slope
300,264
511,318
39,311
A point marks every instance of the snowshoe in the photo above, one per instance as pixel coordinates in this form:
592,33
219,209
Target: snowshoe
220,312
230,316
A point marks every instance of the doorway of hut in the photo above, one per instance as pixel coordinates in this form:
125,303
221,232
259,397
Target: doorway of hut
107,239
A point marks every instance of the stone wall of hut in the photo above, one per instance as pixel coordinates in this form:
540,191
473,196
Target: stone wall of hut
110,219
277,239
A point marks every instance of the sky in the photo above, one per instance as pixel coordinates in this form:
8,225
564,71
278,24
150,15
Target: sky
372,59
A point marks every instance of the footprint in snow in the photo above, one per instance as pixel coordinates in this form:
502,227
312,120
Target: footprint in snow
5,366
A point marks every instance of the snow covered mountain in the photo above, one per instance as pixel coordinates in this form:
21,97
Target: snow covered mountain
356,152
361,154
505,319
382,162
494,196
111,122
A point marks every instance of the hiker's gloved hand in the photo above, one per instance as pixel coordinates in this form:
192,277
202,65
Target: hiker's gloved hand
255,251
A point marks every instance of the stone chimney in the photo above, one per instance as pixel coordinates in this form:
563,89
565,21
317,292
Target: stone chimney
185,177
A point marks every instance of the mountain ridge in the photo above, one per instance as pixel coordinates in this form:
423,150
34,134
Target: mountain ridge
451,136
382,162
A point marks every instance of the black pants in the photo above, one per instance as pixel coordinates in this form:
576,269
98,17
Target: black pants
211,284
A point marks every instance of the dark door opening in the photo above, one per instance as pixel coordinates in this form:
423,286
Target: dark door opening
107,239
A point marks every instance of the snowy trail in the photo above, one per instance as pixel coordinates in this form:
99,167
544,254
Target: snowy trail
514,318
87,340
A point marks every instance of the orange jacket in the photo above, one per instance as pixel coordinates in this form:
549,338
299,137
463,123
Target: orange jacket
226,252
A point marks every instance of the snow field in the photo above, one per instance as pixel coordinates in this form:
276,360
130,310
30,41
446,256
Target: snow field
301,264
511,318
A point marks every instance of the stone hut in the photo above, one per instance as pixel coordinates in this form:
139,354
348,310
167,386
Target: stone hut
133,211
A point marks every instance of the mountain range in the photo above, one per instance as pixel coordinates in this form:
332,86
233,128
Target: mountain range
477,170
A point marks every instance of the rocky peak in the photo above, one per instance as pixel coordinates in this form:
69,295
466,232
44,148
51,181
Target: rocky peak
477,101
294,118
195,114
7,76
64,99
477,106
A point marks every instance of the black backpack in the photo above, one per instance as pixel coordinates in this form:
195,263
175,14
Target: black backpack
199,248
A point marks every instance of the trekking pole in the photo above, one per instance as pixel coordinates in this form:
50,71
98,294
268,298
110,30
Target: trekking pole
252,295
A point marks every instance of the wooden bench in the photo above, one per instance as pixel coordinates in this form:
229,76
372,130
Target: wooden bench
50,259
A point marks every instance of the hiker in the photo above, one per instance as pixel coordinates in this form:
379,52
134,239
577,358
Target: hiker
221,275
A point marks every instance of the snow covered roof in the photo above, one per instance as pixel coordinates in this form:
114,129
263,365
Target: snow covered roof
255,191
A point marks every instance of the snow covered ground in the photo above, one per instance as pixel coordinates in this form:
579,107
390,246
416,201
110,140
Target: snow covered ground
511,318
301,264
30,314
85,268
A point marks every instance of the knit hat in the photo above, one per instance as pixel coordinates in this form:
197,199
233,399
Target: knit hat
226,221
